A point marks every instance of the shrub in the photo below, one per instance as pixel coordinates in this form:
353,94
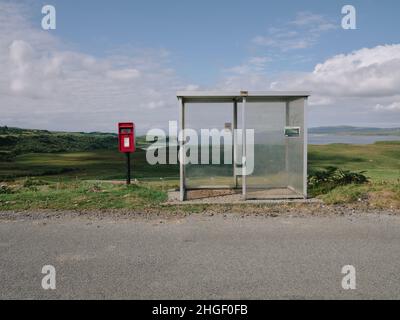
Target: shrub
5,189
30,182
6,156
322,181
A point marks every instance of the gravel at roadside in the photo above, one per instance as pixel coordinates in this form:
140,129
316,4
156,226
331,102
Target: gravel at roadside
181,211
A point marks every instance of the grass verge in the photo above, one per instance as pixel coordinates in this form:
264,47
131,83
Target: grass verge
80,195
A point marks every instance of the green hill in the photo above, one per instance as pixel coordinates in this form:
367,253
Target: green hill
16,141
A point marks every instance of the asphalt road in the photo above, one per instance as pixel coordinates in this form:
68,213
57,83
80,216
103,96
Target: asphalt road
202,257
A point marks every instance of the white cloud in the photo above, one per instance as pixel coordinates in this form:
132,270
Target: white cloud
316,21
345,88
303,32
45,84
368,72
283,42
191,87
393,107
124,74
250,66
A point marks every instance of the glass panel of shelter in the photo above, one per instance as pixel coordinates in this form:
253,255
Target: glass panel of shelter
276,171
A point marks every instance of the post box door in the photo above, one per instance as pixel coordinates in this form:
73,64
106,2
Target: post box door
126,138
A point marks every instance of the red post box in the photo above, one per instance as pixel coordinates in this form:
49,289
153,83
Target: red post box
126,144
126,137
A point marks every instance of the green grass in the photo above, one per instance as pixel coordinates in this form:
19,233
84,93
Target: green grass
93,165
380,161
346,194
385,194
68,180
82,195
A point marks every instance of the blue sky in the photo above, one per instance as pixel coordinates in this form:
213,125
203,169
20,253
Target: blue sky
104,55
204,37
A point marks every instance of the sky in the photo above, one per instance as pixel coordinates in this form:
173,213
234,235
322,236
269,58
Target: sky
120,60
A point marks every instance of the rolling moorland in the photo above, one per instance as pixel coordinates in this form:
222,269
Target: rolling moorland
58,170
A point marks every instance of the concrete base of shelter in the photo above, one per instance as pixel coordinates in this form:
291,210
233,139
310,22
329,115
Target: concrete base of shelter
232,196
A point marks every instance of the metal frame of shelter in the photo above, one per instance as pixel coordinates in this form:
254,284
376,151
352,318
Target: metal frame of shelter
288,102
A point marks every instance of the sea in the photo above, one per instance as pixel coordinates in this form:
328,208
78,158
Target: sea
350,139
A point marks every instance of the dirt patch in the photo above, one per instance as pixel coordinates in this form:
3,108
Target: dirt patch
234,196
211,193
384,199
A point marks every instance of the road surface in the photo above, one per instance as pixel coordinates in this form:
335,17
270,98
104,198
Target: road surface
202,257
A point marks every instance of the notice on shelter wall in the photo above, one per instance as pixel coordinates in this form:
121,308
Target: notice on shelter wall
292,132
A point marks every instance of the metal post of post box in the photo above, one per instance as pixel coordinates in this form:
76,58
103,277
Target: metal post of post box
128,168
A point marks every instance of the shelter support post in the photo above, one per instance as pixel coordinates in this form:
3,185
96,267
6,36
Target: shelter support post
181,149
305,146
287,123
234,140
244,153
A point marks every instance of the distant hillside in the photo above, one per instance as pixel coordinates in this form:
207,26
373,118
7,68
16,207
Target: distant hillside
349,130
14,141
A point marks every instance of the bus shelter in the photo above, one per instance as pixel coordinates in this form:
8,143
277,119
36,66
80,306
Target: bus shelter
265,132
